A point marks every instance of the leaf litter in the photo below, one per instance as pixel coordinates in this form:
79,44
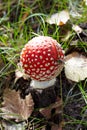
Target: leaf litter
18,116
19,72
69,108
14,107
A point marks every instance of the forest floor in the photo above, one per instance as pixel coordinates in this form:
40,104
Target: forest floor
20,21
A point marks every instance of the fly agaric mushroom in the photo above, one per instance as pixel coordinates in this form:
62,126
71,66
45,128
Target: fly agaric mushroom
41,60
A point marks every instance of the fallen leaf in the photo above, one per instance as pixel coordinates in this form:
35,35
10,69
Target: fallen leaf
19,72
47,111
43,128
56,127
59,18
76,67
13,107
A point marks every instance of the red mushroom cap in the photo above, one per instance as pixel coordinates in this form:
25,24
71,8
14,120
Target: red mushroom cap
39,58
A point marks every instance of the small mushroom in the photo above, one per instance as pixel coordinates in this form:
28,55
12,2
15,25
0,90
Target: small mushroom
42,59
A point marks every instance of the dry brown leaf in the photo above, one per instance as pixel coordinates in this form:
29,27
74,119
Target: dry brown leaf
56,127
43,128
13,107
76,67
59,18
46,112
19,72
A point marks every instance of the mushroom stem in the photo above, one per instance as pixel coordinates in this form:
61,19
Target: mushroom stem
42,84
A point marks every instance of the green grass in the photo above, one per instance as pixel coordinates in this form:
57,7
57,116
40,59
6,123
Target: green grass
23,20
72,97
83,92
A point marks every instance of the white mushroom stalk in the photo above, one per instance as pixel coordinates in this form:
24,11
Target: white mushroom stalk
42,84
